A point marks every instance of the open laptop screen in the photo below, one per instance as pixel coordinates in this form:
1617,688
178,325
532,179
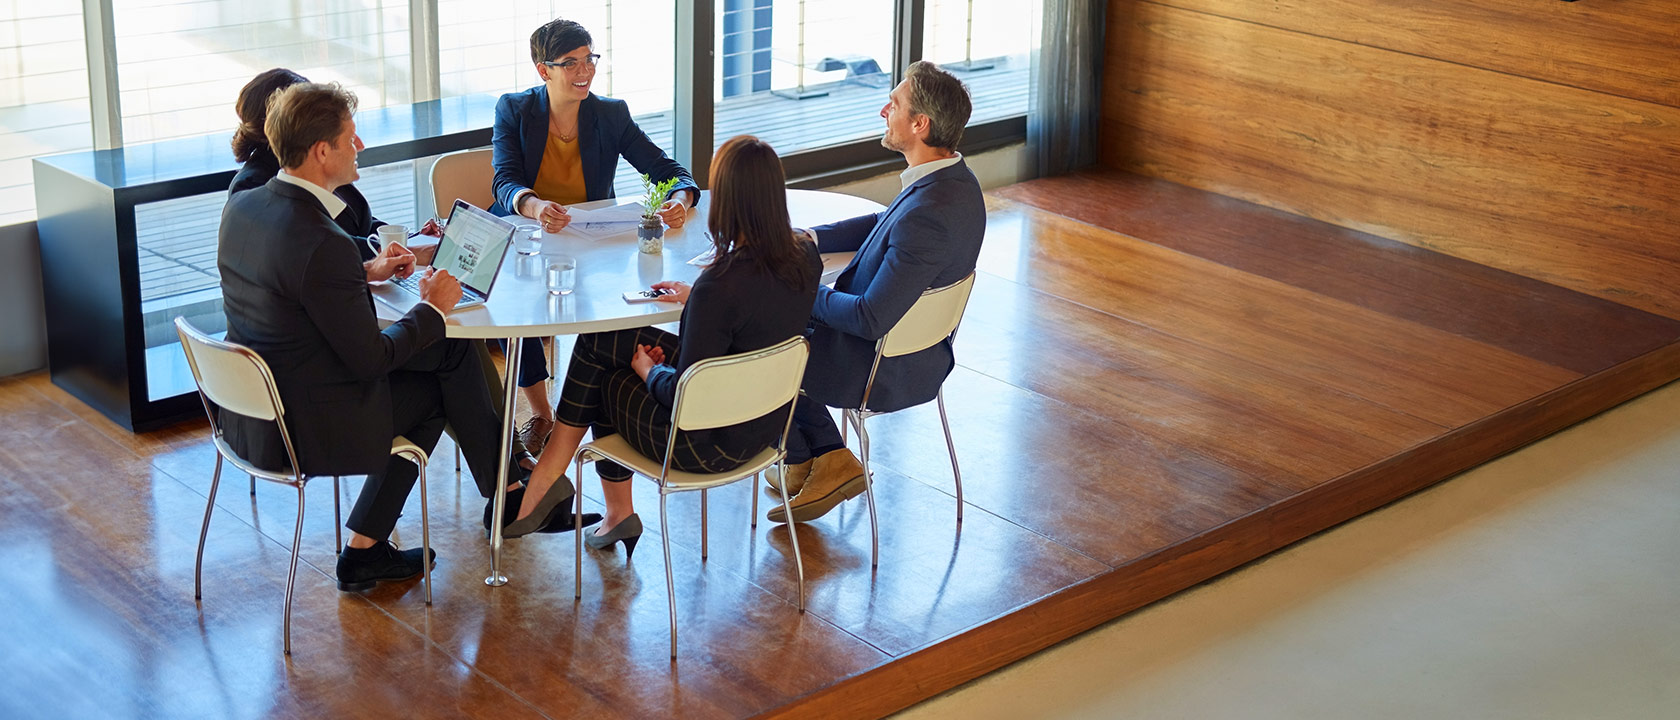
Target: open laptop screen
472,247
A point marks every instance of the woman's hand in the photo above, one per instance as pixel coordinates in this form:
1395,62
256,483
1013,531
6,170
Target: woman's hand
552,215
674,213
646,357
678,291
431,229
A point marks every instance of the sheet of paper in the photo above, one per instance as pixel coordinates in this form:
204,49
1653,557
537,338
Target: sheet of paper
604,222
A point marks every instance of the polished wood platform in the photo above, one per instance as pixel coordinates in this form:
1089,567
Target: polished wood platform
1155,385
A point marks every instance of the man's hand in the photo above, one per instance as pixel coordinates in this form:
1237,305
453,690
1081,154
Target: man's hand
674,213
431,228
679,291
393,260
552,215
440,289
424,254
646,357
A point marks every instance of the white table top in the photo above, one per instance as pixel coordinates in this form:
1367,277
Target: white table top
521,306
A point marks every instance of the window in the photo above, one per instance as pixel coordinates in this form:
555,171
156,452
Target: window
485,47
802,74
181,64
987,45
44,107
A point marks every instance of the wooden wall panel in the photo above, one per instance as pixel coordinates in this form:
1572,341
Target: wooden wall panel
1621,47
1571,186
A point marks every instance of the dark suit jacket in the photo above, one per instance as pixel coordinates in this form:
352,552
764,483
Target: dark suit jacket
357,219
929,237
605,131
294,291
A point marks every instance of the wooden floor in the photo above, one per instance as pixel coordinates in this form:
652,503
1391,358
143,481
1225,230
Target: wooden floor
1154,386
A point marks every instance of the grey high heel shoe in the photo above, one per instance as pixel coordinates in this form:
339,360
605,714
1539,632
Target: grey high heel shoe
628,530
557,494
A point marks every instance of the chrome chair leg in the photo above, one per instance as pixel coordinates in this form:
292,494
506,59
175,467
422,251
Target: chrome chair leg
670,581
755,501
338,522
793,537
425,532
951,446
868,489
577,519
702,525
209,506
253,479
291,574
457,461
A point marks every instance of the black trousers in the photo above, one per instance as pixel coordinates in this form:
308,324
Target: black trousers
445,383
813,427
602,393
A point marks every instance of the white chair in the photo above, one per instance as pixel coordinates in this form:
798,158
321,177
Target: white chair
465,175
933,318
712,393
236,379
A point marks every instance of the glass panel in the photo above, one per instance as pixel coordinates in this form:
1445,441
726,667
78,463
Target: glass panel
181,64
484,47
986,44
43,95
802,74
177,250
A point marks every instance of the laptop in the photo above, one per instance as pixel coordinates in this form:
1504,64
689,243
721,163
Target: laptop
473,247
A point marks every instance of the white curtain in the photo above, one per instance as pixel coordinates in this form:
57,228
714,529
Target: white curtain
1064,108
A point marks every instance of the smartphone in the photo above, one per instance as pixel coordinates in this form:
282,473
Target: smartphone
636,296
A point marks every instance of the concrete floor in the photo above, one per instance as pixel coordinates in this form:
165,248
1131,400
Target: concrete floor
1545,584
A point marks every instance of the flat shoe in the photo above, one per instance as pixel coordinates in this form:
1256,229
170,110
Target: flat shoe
820,506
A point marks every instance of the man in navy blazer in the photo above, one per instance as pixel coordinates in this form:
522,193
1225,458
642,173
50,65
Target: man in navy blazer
929,237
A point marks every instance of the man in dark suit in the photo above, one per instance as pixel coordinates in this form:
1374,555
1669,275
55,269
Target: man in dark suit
929,237
295,291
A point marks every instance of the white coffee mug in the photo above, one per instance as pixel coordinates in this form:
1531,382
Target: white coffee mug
393,235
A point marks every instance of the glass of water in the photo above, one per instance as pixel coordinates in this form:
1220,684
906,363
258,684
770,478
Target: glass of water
561,275
527,239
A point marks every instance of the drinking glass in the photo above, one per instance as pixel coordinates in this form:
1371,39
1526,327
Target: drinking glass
561,275
527,239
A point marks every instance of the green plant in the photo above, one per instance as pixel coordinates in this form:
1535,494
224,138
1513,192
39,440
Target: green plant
656,193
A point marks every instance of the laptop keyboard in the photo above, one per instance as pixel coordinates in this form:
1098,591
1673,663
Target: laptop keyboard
412,284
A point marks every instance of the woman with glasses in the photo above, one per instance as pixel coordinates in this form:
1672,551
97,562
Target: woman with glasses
558,144
755,294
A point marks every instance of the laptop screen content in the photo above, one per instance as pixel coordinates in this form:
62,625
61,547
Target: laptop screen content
472,246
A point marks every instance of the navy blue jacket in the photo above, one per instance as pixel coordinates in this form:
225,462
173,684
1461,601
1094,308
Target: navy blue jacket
929,237
605,131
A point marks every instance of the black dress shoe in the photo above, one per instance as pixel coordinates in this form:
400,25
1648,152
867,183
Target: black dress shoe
561,520
511,509
361,569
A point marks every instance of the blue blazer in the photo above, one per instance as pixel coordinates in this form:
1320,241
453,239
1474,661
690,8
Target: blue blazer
929,237
605,131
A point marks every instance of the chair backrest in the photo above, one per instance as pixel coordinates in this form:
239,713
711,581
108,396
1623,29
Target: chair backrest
932,319
232,376
737,388
465,175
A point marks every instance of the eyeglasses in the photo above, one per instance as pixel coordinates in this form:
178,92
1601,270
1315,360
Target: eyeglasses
572,64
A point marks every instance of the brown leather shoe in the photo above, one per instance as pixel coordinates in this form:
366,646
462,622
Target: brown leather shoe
796,476
534,434
835,477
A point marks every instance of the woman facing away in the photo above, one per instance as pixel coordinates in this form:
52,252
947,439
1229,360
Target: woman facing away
558,144
756,293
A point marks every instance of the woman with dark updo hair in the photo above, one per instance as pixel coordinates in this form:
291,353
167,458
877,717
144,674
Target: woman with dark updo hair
250,146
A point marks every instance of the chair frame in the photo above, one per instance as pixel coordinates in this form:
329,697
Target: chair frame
855,417
589,452
290,476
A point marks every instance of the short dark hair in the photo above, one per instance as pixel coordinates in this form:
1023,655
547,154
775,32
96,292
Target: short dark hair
304,114
941,97
252,108
558,37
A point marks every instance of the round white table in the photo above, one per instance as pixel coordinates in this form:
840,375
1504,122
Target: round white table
520,305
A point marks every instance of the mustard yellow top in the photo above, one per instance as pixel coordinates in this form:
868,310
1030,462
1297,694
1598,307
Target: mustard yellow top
560,176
